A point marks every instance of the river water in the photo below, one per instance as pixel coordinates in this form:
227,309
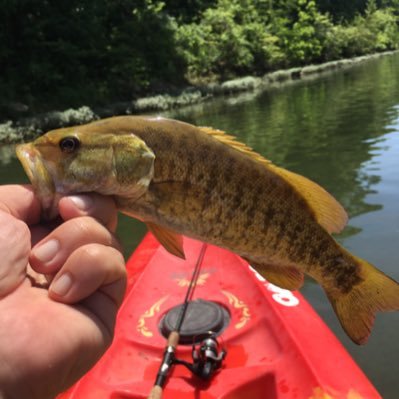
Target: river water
342,131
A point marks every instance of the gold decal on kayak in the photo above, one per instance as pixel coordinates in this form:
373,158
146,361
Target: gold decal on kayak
141,324
319,393
354,395
238,304
183,282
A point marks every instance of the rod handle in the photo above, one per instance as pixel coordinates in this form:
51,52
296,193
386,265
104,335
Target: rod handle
173,339
156,392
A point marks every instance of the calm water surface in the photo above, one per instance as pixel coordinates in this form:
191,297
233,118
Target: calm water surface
342,131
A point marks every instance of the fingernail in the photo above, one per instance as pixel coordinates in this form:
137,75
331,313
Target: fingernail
83,202
47,251
62,285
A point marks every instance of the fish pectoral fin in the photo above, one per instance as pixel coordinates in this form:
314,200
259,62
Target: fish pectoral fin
170,240
286,277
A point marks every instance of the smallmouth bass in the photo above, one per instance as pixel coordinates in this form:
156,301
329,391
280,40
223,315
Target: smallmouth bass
185,180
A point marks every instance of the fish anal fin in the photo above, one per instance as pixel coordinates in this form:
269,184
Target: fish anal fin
328,212
356,309
286,277
170,240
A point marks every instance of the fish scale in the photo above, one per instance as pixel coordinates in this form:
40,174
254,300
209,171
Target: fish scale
181,179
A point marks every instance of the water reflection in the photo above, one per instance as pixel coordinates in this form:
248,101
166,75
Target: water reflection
342,131
326,129
330,129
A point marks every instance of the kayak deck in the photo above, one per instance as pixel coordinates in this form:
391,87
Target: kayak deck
277,346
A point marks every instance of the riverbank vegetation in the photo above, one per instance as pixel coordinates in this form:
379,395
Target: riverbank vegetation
60,54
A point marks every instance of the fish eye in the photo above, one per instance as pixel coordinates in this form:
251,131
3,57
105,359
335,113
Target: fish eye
69,144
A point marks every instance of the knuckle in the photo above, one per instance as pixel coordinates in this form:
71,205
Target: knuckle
119,259
82,225
91,230
101,253
102,262
92,252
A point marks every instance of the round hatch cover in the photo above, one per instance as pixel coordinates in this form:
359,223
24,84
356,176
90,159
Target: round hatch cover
202,318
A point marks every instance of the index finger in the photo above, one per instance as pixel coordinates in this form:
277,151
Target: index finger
20,202
100,207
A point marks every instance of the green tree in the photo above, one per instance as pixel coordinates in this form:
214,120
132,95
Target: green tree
342,9
304,34
232,38
62,53
67,52
188,10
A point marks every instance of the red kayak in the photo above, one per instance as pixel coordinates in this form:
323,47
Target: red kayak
268,342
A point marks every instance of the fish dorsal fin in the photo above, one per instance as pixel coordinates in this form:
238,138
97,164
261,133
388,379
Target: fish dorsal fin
327,210
233,142
172,241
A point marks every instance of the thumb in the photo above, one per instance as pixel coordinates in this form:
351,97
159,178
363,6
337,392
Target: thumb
14,251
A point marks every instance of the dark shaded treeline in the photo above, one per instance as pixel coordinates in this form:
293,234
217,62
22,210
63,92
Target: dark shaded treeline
65,53
72,51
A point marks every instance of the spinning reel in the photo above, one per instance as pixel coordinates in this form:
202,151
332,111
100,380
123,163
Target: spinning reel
207,358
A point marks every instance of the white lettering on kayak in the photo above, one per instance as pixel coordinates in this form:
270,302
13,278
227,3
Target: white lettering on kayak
280,295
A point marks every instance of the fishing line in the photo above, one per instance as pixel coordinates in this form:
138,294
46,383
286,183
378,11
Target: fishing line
191,288
174,336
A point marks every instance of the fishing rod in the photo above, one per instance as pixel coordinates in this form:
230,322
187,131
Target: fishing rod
169,358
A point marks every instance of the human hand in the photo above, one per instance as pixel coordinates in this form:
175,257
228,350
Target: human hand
49,337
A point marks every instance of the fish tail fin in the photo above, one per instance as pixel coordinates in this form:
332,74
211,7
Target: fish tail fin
356,309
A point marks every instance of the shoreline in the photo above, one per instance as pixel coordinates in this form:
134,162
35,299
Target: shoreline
12,132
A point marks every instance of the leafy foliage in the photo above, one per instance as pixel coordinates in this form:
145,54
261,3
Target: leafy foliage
238,37
59,53
303,36
376,30
233,38
71,52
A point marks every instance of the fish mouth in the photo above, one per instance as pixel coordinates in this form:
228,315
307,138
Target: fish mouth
40,178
